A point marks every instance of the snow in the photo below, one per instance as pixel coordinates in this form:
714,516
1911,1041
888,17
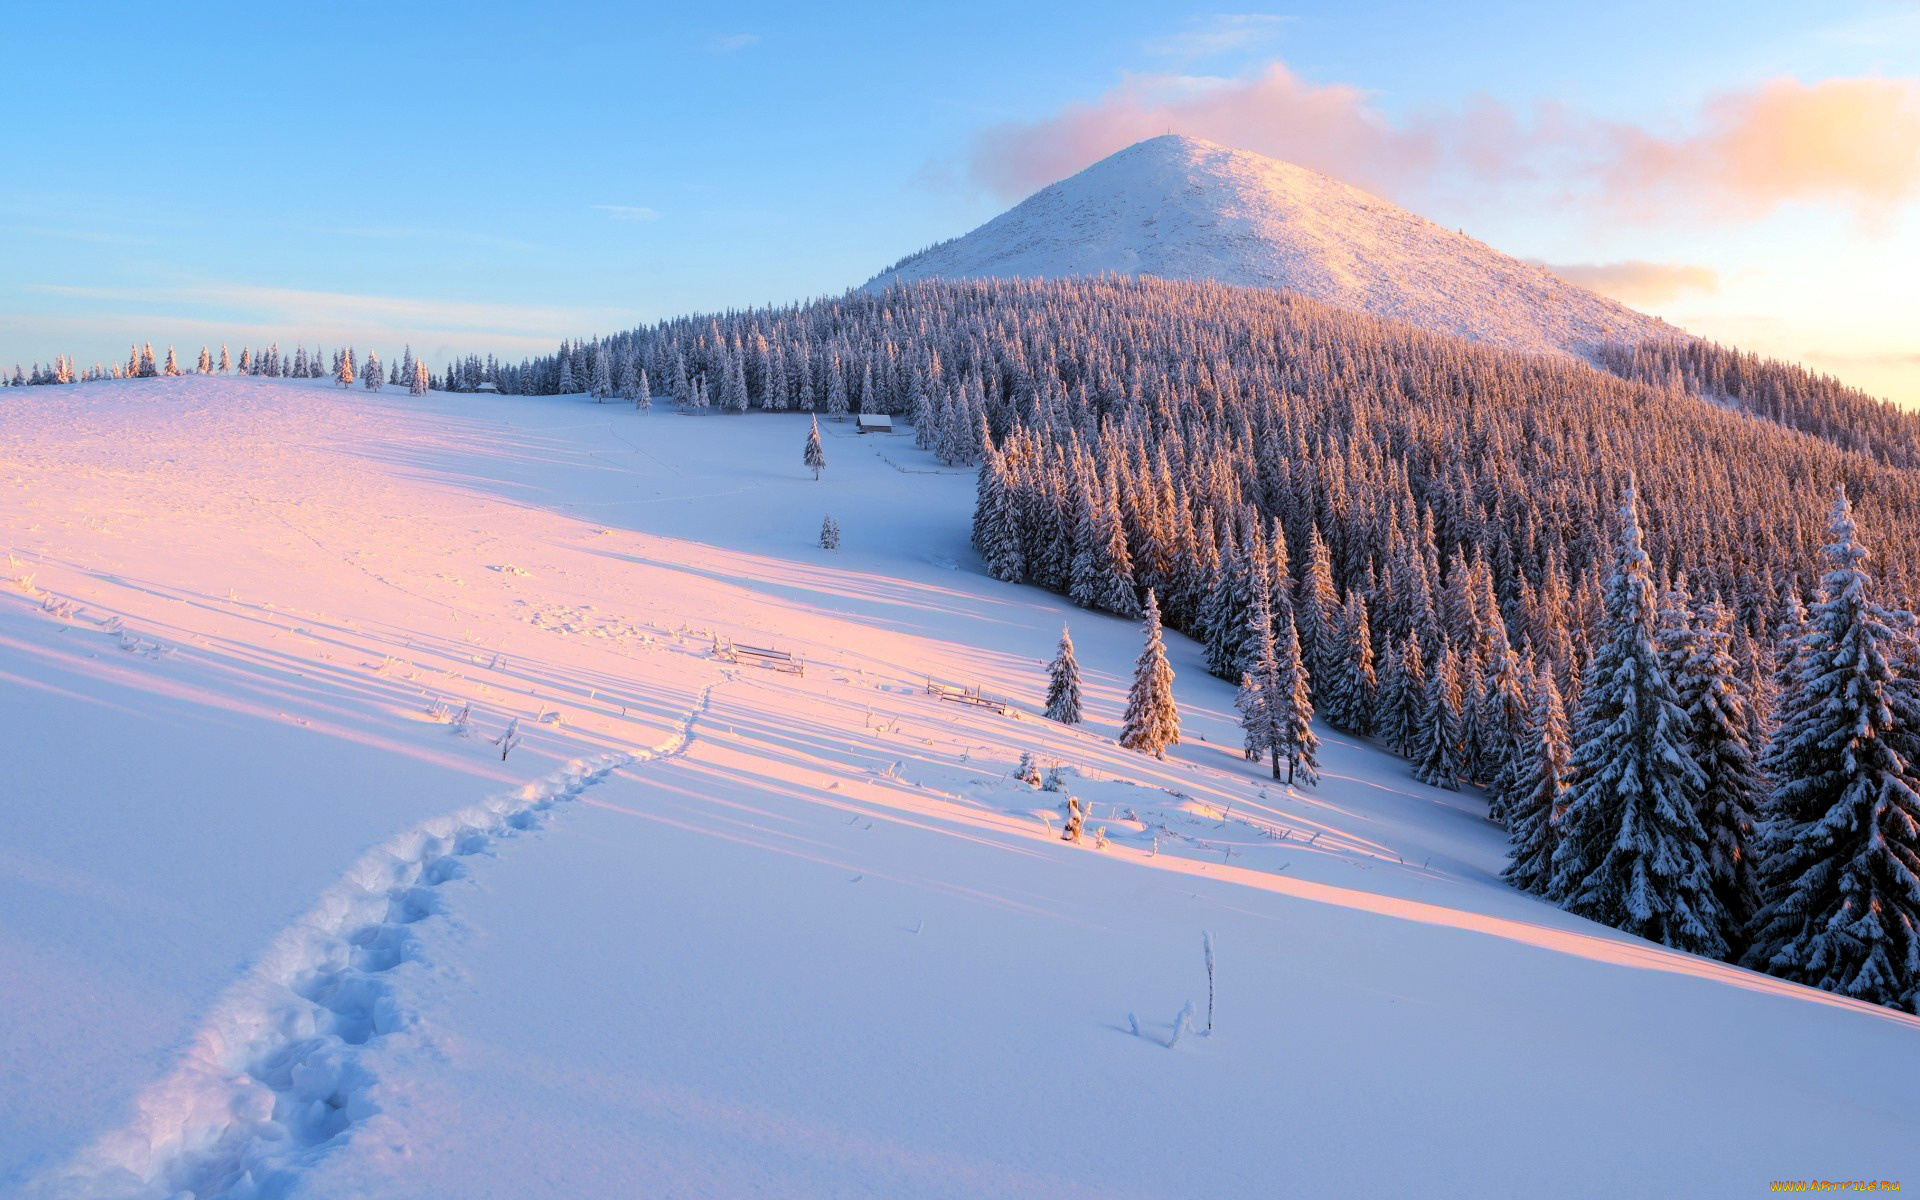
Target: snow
1178,207
713,929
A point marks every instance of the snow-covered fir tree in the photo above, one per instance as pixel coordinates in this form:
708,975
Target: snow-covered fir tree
602,384
1299,745
1632,853
1063,683
1534,801
1840,873
419,383
829,533
1440,752
1349,698
1401,708
375,380
1276,711
1152,722
342,370
813,455
1714,697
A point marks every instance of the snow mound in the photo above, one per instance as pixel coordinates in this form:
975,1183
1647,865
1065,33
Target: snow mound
1180,208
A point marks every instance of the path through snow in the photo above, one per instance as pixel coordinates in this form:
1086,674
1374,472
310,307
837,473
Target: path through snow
274,1078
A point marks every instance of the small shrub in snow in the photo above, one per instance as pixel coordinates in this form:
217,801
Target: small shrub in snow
1206,943
1181,1024
1056,777
508,739
1076,817
1028,772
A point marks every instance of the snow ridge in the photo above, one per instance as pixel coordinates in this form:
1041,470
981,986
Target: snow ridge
273,1080
1181,208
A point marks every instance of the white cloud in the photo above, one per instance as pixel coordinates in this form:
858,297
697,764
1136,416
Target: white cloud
1221,33
727,43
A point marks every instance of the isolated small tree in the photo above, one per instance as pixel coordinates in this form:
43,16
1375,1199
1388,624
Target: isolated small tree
1063,683
829,534
814,456
374,379
1152,722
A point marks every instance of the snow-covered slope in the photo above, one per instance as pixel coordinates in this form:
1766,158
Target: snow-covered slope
272,925
1181,208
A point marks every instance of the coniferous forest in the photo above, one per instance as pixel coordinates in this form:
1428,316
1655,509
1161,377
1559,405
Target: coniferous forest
1657,605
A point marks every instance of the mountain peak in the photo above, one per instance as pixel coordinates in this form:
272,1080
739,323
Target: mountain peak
1181,207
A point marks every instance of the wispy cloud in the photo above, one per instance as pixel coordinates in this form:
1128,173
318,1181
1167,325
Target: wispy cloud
292,310
1637,282
627,212
1850,143
728,43
1221,33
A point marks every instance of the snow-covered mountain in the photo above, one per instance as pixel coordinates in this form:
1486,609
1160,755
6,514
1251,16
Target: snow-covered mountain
1182,208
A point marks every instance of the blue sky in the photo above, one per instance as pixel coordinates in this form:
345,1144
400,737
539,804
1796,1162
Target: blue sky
483,176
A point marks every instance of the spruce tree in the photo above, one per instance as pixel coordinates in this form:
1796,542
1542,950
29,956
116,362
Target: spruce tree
1262,698
1534,802
1350,696
1152,723
1403,697
419,382
813,456
343,371
1632,853
1063,683
1316,612
602,385
1440,753
374,379
1714,698
829,533
1840,875
1294,696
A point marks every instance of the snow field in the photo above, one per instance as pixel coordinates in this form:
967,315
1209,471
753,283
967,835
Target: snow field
824,943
